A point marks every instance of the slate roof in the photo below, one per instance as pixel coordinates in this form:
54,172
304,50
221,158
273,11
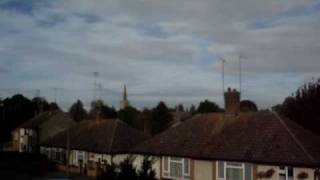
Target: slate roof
106,136
258,137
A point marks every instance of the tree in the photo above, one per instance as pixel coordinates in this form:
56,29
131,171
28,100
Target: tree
101,110
127,170
14,111
180,108
208,106
130,115
248,106
161,118
303,106
110,172
40,105
192,109
54,106
146,172
18,109
77,111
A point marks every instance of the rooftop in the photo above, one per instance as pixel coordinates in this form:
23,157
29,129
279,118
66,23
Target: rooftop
260,137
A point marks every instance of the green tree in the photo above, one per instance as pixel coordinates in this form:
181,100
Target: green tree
161,118
146,172
40,105
127,170
110,173
208,106
99,108
77,111
130,115
303,106
54,106
14,112
248,106
192,109
180,108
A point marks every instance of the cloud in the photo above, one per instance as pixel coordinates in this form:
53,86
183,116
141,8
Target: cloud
163,50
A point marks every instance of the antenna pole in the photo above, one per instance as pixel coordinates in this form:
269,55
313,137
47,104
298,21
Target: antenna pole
55,95
240,75
95,74
222,71
223,61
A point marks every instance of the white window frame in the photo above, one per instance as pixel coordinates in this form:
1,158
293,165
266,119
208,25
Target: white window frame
285,172
79,153
182,161
226,165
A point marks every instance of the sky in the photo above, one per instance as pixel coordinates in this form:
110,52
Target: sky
163,50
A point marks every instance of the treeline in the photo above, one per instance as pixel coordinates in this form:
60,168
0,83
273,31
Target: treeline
151,120
303,106
17,109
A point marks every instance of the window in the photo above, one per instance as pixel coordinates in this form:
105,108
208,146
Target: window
52,154
285,173
21,132
176,168
80,157
233,171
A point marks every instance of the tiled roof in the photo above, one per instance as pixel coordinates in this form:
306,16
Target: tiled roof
105,136
49,123
260,137
39,119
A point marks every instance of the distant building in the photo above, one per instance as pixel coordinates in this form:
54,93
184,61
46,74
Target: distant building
26,138
124,102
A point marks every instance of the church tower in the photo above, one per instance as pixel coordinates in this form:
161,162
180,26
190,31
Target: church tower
124,102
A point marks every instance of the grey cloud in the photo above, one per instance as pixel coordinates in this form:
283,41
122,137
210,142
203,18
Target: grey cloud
66,52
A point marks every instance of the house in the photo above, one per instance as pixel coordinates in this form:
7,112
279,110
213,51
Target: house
26,138
91,145
235,146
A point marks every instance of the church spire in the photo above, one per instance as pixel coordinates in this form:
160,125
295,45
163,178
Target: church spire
124,102
125,93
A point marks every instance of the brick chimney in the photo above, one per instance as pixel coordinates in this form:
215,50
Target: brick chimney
232,101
